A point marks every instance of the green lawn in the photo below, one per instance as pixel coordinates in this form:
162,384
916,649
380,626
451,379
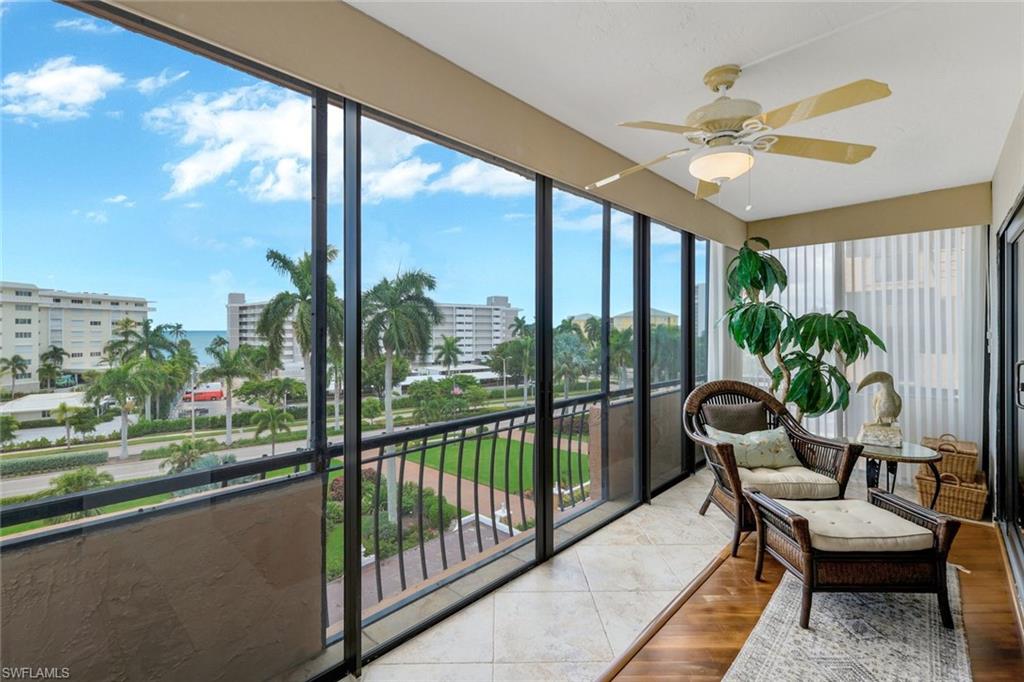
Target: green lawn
503,452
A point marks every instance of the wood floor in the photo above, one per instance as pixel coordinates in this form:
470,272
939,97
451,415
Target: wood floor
700,641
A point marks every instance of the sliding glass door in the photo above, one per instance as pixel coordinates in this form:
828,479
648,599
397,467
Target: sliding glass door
1010,506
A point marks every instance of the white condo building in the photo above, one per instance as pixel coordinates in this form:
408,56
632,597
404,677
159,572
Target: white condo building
478,327
33,319
243,316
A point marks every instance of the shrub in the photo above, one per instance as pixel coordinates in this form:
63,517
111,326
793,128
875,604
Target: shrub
44,463
37,423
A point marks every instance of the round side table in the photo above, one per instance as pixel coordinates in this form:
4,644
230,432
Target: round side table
911,453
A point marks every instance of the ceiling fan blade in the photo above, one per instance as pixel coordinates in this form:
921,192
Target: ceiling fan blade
636,168
843,97
822,150
663,127
706,189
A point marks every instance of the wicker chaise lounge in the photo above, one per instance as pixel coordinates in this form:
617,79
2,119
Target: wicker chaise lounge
739,407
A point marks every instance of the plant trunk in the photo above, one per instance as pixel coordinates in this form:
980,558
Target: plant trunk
273,442
227,413
337,400
565,385
67,434
124,433
389,427
149,402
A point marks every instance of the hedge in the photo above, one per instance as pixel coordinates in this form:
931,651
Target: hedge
44,463
37,423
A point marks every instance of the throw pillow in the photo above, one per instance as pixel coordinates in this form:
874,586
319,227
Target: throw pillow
770,449
742,418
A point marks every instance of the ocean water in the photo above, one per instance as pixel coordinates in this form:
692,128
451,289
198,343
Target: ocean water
200,339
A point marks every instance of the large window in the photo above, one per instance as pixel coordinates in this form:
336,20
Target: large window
666,354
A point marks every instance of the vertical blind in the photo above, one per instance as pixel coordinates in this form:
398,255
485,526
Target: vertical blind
923,293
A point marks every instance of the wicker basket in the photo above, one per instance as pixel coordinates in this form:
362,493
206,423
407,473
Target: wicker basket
960,457
956,498
963,446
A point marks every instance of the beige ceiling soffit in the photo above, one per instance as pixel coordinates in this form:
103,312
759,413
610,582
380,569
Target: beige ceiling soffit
340,49
935,210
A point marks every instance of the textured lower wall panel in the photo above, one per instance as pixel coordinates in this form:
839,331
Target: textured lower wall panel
226,591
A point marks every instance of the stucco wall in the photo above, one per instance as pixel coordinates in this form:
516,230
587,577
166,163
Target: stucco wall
226,591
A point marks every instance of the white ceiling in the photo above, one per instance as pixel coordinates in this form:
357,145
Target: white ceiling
956,72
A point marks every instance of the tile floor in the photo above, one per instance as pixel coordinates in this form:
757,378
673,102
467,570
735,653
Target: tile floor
567,619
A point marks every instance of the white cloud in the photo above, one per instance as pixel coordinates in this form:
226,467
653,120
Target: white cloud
477,177
98,217
151,84
261,129
57,90
451,230
194,204
86,26
401,181
121,199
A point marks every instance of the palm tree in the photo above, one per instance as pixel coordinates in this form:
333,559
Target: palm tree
79,480
524,332
124,331
176,331
48,373
620,352
185,454
8,427
448,352
229,365
397,319
124,386
62,414
54,355
273,420
592,331
15,365
569,357
263,360
297,307
336,366
148,342
568,326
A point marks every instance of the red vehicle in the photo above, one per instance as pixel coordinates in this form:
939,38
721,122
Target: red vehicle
204,392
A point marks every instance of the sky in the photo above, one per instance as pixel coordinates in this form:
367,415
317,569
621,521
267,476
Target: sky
135,168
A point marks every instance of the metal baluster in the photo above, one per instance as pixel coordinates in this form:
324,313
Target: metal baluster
423,550
376,524
401,490
568,457
440,502
476,490
458,495
522,480
579,451
556,452
508,481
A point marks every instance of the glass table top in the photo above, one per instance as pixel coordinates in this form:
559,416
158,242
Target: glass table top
907,452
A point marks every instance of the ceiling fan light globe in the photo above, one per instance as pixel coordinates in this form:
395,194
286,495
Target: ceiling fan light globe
720,164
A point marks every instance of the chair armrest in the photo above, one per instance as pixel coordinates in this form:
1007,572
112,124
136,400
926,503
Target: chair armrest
832,458
944,527
768,510
726,456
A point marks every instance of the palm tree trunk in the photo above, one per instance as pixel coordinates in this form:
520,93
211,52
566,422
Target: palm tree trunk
149,402
227,416
337,399
389,427
124,433
67,434
308,371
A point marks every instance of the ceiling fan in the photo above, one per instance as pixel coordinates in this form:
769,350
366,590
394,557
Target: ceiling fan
726,133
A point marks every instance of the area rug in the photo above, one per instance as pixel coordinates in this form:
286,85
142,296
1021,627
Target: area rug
853,637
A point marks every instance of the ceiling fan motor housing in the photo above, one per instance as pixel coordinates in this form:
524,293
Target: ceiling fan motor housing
724,114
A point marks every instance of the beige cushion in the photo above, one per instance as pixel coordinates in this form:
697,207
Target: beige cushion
790,483
859,526
770,448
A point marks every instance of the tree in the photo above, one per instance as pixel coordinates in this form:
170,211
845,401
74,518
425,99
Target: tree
176,331
665,352
14,365
336,368
447,399
229,366
263,361
62,415
273,420
48,373
80,480
592,331
186,453
373,374
8,427
296,307
797,346
54,355
150,343
498,361
398,316
569,355
124,386
620,352
83,420
371,409
524,332
448,352
568,326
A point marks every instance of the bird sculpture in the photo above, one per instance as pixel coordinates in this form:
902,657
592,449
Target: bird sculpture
887,402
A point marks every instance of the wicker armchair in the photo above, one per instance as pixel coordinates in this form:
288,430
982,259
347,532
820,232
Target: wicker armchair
830,458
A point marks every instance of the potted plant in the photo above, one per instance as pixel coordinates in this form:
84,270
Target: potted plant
803,356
